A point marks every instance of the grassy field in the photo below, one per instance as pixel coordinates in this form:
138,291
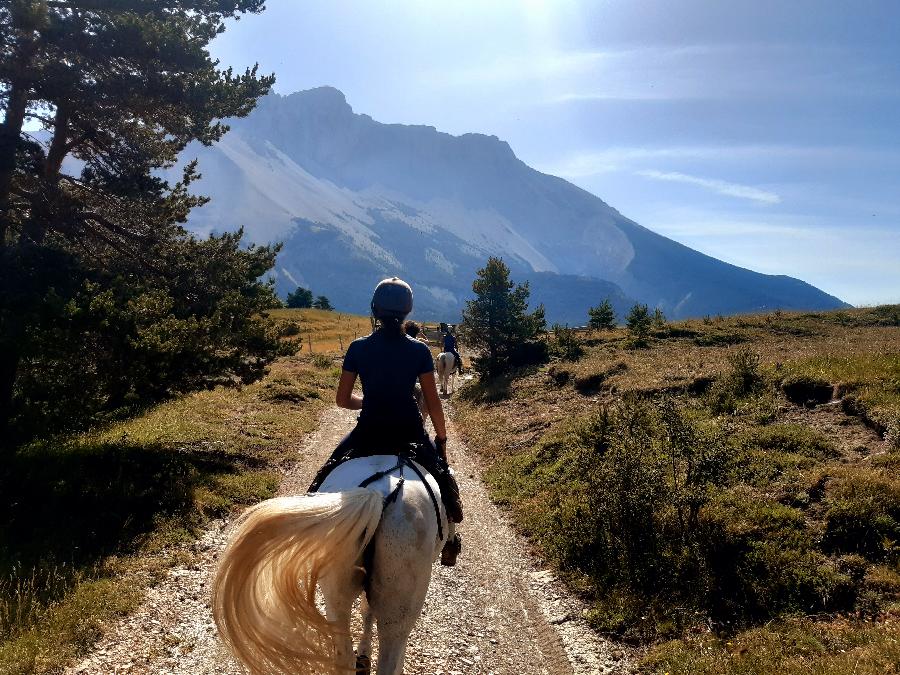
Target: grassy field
88,522
326,332
725,496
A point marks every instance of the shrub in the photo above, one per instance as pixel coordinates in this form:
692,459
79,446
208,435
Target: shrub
322,361
659,319
565,343
741,382
287,329
863,514
616,497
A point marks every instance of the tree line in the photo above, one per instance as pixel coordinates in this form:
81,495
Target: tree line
302,298
505,335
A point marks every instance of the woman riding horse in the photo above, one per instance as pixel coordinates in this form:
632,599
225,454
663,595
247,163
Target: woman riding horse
388,362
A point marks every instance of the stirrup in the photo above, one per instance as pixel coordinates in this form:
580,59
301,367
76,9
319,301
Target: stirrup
451,551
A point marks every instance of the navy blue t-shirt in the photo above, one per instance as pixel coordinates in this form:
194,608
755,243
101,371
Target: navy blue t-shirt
449,342
389,366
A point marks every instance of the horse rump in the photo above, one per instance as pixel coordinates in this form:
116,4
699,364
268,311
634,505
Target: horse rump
264,591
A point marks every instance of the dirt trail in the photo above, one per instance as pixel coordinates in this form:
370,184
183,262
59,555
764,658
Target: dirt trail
496,612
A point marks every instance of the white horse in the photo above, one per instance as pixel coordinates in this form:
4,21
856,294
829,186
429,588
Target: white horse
446,369
343,540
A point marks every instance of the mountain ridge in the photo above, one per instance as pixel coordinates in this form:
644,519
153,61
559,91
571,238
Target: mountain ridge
354,199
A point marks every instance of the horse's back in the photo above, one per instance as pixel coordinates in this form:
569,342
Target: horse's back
413,503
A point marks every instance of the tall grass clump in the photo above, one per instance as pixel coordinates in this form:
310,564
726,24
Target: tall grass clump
742,388
565,344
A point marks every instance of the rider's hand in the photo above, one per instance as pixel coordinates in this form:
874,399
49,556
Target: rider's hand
441,445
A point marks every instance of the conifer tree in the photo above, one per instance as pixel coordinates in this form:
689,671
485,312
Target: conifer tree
121,86
323,302
300,298
497,325
639,322
602,317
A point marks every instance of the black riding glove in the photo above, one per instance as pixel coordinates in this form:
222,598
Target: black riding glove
441,445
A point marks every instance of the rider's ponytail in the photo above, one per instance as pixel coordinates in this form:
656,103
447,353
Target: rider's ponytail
391,324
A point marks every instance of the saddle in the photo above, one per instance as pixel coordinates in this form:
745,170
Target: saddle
421,452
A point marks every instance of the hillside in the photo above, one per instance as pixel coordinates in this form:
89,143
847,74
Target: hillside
726,495
354,200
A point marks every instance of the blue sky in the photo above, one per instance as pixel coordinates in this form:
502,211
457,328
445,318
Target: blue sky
766,134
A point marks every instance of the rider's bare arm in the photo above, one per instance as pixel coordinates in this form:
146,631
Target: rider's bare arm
345,398
433,402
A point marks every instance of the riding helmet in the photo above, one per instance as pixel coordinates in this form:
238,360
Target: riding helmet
393,299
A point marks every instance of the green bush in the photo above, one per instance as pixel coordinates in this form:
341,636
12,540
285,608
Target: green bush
648,505
779,453
617,498
863,514
740,385
322,361
565,344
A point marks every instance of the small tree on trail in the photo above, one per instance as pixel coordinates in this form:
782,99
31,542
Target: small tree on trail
323,303
602,317
302,298
100,255
659,319
639,322
497,324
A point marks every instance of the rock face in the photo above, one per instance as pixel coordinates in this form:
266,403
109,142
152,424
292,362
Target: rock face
355,200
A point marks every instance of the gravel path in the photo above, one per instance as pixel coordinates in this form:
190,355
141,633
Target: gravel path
498,611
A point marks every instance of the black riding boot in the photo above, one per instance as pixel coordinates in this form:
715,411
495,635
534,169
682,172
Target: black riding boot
450,495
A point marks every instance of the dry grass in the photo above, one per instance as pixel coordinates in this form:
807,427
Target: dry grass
825,469
89,521
789,647
325,331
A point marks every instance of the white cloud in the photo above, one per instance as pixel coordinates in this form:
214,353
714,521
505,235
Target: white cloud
720,186
583,164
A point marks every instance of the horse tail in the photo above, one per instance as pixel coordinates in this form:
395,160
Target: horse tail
264,592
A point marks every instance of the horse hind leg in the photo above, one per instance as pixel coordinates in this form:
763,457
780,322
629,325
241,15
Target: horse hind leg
339,591
364,652
401,573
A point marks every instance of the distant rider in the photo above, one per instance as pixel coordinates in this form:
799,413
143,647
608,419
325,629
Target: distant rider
389,362
414,331
449,345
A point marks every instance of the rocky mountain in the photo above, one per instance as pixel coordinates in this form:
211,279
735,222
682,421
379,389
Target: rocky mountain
354,200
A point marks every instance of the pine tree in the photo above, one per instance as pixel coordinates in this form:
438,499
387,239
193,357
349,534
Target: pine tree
323,303
602,317
497,325
638,322
300,298
122,86
659,319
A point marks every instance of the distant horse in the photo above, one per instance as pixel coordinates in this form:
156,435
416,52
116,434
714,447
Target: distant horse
446,368
381,538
